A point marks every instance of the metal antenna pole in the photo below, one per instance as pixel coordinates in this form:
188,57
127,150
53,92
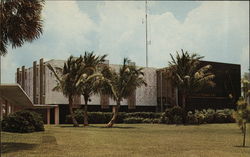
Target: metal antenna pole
249,74
146,16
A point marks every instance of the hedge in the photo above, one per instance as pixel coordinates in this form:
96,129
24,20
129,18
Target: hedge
23,122
170,116
105,117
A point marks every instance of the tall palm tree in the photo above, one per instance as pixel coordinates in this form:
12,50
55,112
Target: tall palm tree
20,22
188,76
120,85
89,79
67,81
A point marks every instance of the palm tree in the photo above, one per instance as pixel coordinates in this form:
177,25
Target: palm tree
120,85
67,81
242,114
188,76
89,79
20,22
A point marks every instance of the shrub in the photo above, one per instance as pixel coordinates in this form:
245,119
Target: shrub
147,120
210,116
200,116
164,119
150,115
173,115
224,116
191,119
95,117
156,120
23,122
105,117
133,120
177,120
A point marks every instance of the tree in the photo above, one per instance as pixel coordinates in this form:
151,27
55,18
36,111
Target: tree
67,78
242,114
120,85
20,22
188,76
89,79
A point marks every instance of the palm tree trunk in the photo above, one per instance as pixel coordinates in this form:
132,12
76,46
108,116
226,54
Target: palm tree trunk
115,114
184,107
72,113
86,98
244,133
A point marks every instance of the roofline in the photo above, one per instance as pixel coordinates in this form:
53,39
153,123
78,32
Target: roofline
17,85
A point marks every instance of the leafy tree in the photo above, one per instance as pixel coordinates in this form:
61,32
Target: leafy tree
20,22
120,85
188,77
89,80
67,78
242,115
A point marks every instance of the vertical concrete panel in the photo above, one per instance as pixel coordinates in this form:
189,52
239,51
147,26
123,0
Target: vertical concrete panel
38,85
23,77
104,101
41,81
132,101
44,83
34,82
18,75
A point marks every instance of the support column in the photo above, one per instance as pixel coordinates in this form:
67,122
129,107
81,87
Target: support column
57,115
1,110
48,115
7,107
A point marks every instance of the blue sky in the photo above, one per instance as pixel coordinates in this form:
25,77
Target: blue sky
217,30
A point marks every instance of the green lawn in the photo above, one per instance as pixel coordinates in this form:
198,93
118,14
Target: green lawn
128,140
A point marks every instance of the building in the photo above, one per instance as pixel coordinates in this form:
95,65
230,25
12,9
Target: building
38,82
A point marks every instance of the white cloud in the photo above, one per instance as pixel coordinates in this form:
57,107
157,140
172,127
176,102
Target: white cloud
216,30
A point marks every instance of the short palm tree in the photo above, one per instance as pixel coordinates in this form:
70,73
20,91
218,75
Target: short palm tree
20,21
242,114
120,85
67,81
188,76
89,79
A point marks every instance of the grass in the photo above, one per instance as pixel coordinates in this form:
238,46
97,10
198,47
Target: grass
128,140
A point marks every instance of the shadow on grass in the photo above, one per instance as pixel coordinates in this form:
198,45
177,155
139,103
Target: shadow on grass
69,126
93,126
118,127
8,147
242,146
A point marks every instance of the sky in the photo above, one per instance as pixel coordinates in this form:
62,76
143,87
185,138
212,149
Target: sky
215,29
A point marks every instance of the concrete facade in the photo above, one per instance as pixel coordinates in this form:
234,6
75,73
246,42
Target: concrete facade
43,82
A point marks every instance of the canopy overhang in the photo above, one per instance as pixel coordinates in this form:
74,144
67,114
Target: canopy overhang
44,106
15,95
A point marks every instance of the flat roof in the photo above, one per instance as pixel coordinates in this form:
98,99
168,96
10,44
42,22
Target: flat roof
15,95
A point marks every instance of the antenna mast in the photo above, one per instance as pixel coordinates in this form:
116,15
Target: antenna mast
146,17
